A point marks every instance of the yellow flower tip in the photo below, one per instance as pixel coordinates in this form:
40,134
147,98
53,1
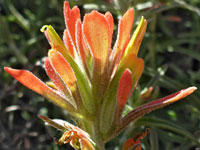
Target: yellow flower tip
44,28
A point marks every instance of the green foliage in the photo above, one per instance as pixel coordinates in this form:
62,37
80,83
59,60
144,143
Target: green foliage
171,49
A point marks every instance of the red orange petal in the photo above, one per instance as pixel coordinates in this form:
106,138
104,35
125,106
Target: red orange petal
71,16
136,39
110,21
124,29
156,104
136,65
32,82
59,83
124,88
68,42
63,68
97,33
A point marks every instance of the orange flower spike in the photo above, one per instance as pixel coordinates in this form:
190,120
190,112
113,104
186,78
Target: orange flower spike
97,33
85,69
35,84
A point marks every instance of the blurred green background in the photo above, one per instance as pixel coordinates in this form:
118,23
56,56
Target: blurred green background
171,50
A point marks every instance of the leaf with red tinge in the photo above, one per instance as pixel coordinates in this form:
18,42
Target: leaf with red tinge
59,83
124,88
136,66
71,16
136,40
54,40
110,21
32,82
97,33
68,42
124,29
63,69
67,74
156,104
80,44
123,92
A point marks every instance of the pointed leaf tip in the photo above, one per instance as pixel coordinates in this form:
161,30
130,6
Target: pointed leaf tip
181,94
29,80
156,104
136,39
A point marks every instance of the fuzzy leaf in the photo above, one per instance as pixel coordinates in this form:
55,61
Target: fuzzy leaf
110,22
72,78
123,92
80,44
156,104
136,66
97,33
124,88
54,40
59,83
135,42
63,68
68,42
71,16
32,82
124,29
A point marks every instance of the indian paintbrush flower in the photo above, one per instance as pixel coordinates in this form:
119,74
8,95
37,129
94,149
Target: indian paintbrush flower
92,80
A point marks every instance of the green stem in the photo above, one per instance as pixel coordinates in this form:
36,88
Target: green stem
92,127
97,136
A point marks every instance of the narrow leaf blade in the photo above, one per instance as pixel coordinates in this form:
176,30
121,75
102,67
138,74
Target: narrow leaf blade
156,104
32,82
